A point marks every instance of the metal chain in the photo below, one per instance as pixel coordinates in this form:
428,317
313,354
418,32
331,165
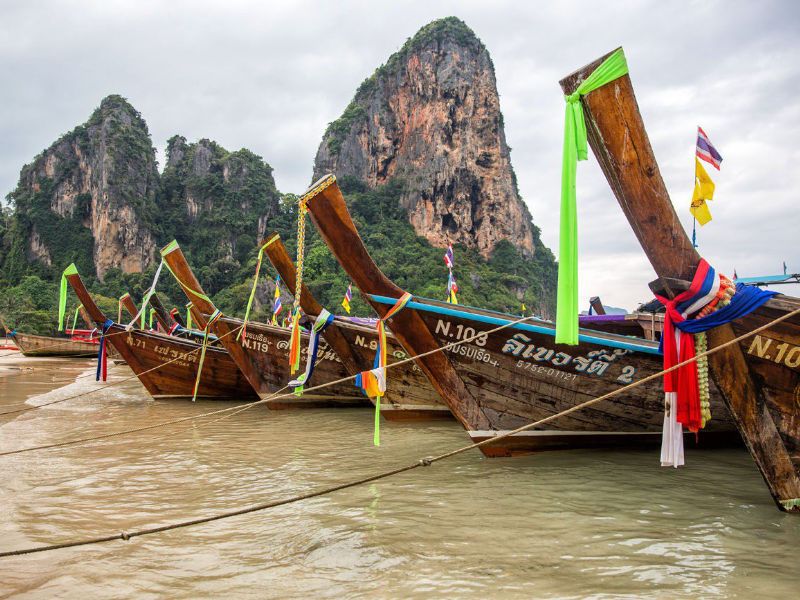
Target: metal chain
301,246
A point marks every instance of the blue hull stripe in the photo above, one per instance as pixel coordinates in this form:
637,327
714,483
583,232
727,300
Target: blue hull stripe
619,342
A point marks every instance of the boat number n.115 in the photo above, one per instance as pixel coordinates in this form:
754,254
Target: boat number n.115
459,332
769,349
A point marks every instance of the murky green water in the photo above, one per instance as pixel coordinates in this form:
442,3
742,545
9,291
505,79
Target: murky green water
567,525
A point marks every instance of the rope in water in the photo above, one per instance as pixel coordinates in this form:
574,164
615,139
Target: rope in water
71,380
423,462
272,397
103,387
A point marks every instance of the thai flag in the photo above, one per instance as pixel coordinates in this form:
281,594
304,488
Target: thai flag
449,257
277,307
706,151
348,297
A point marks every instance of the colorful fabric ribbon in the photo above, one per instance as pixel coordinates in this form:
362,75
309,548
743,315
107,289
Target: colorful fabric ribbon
294,342
682,398
62,294
320,324
75,318
146,300
243,330
211,320
576,149
102,353
373,382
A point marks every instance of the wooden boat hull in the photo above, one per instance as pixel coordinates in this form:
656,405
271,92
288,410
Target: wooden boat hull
409,395
40,345
502,381
266,352
519,375
151,356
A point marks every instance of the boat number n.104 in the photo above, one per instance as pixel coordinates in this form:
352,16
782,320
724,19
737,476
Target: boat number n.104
781,353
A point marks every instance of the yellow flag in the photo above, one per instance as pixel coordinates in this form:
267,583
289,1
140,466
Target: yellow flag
703,191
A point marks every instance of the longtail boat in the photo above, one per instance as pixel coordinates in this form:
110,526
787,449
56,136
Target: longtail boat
760,377
409,395
78,344
498,379
74,343
262,351
167,365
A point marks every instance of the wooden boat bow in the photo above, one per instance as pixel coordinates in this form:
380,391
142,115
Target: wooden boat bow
618,138
328,210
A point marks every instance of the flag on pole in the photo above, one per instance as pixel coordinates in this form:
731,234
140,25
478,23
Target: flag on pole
452,288
449,257
524,308
703,191
348,297
277,305
706,150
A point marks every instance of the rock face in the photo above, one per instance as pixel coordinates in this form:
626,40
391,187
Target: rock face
216,204
431,117
90,197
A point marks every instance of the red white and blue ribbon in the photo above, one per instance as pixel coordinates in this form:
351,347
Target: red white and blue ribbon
682,398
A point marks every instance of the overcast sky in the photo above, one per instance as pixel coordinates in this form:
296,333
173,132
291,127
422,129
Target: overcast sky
270,76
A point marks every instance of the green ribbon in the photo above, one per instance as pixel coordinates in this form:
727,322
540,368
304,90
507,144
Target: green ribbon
189,316
211,320
255,283
150,319
575,149
75,318
62,294
173,245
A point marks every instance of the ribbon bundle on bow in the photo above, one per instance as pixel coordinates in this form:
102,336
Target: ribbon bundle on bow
681,393
323,320
373,382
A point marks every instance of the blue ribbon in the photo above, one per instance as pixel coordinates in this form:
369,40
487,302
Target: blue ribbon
102,348
746,299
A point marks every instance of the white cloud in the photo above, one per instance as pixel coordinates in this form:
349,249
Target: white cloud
270,76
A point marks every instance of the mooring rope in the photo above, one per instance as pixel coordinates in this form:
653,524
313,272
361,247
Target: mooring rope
422,462
51,346
273,397
91,373
112,384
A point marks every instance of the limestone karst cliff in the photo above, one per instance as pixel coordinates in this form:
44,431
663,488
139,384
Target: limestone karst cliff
431,117
217,204
88,198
